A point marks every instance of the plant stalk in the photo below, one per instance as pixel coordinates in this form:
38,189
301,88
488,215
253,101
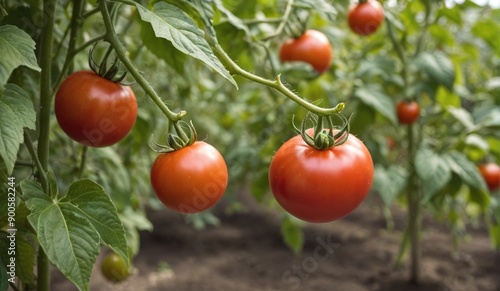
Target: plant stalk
276,84
122,55
49,7
414,212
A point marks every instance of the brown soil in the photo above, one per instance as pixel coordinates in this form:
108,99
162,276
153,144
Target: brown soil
246,252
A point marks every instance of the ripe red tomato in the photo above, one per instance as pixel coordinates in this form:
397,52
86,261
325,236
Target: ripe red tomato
365,18
191,179
311,47
95,111
321,186
491,175
113,268
408,112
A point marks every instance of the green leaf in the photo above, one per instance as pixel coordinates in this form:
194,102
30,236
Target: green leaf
70,230
25,259
373,96
231,18
488,30
438,67
463,116
171,23
389,182
466,170
162,48
16,113
292,235
18,49
434,171
96,206
447,99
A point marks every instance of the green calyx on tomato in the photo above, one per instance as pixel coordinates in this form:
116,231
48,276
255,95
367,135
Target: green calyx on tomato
323,139
365,17
114,268
312,47
321,185
191,179
178,140
102,69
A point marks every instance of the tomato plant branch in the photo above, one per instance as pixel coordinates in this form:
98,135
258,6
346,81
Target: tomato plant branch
122,55
233,68
399,51
74,26
413,200
83,160
44,116
281,26
32,151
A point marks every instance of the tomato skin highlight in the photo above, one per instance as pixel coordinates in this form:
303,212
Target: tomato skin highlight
321,186
491,175
365,18
407,112
95,111
190,180
312,47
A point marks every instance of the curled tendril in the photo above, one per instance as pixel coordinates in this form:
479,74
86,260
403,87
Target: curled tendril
323,138
178,140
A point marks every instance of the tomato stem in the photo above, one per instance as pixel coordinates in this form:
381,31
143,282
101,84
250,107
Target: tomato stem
46,96
414,222
284,20
122,54
276,84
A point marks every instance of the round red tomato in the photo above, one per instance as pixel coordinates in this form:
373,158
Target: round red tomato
191,179
114,268
95,111
311,47
407,112
365,18
321,186
491,175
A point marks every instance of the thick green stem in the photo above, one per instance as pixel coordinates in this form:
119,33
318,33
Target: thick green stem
276,84
122,55
282,25
49,7
83,160
414,222
74,27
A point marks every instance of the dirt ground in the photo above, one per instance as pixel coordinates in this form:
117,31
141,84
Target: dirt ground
246,252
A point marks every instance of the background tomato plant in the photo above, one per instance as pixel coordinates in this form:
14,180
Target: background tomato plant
441,54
